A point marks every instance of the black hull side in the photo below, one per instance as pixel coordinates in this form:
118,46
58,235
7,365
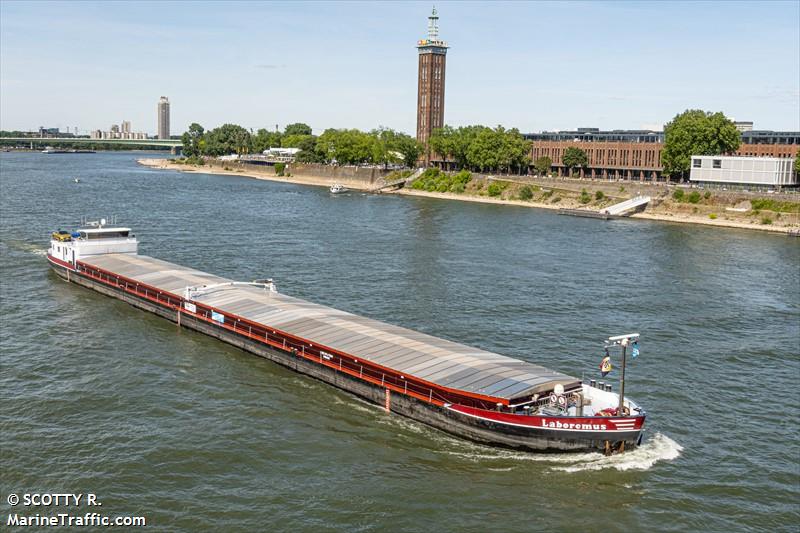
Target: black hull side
457,424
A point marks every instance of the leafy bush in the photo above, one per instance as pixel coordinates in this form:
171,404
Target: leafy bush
694,197
434,180
621,188
599,195
766,220
556,200
397,175
195,160
712,216
707,195
280,168
768,204
547,194
585,197
495,189
526,193
678,195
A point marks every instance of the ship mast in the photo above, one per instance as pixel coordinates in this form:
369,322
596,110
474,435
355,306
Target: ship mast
623,341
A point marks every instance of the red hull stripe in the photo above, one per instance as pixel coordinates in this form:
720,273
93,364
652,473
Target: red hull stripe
555,423
59,262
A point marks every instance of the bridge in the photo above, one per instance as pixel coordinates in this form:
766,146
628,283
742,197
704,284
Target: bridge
172,144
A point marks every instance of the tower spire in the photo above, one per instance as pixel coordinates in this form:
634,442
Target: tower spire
433,26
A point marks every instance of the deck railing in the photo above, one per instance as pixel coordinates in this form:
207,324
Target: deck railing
353,366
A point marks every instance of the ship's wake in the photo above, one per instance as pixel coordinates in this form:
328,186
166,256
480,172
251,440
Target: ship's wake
656,449
26,247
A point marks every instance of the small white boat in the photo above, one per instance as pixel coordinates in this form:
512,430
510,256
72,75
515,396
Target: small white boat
77,180
338,188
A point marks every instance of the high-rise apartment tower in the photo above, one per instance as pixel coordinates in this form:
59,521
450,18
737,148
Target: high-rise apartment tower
430,82
163,118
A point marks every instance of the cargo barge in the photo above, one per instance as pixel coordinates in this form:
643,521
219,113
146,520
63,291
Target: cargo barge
467,392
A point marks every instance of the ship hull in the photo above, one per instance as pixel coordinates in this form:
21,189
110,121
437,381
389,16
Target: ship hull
532,433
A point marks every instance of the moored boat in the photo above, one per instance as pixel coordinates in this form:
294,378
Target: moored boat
469,392
338,188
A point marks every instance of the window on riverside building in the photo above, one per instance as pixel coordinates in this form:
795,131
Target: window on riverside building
717,163
696,163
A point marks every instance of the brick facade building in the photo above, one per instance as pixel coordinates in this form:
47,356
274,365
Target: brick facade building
636,155
430,82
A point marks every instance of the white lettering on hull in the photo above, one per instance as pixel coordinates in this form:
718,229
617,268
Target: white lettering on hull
557,424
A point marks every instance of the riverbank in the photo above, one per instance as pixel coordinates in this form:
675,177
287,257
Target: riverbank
268,173
718,210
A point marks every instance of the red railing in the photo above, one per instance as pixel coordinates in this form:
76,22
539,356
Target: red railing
302,348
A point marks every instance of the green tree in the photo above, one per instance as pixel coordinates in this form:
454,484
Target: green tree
543,165
515,151
574,158
298,128
345,147
264,139
227,139
193,140
696,132
441,142
410,149
294,140
485,150
308,150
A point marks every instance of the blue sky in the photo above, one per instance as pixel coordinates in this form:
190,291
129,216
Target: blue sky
531,65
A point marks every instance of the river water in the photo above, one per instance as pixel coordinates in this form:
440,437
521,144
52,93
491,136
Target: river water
98,397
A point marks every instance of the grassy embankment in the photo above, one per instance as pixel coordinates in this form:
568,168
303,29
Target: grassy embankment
669,203
764,211
464,183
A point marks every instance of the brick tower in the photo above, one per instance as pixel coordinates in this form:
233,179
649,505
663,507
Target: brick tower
430,83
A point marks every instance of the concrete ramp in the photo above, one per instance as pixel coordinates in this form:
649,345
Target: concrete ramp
402,182
625,208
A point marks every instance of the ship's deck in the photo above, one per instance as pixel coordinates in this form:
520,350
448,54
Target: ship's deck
436,360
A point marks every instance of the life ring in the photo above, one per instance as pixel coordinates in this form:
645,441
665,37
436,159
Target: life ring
553,398
562,401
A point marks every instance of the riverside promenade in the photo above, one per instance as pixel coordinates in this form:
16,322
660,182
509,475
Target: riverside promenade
728,209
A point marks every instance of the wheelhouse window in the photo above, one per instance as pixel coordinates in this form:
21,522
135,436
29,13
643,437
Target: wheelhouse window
717,163
696,163
106,235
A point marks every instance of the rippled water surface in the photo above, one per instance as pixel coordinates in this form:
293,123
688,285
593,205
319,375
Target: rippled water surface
194,434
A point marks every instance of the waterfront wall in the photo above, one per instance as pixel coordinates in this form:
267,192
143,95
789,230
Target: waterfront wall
367,175
350,176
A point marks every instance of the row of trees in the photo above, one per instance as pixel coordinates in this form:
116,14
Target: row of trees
480,148
381,146
477,148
